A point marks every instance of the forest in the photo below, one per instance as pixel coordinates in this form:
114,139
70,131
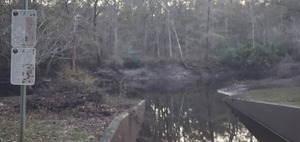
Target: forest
88,50
130,33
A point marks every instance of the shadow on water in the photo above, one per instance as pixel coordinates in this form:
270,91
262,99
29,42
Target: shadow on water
190,114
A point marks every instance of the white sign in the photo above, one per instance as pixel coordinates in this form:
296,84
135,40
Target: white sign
23,28
22,66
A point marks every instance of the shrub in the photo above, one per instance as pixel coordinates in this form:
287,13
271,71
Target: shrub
249,57
289,50
80,77
132,60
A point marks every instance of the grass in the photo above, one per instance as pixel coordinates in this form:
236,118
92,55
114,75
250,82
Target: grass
81,76
119,101
283,96
50,128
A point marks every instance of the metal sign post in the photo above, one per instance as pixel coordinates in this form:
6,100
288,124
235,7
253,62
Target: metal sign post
23,100
23,35
22,113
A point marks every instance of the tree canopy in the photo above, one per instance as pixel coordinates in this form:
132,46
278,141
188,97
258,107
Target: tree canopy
103,32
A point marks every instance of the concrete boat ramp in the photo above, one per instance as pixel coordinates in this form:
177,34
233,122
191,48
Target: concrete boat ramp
268,122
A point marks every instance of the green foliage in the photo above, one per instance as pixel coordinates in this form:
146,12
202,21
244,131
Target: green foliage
249,57
289,50
81,77
132,59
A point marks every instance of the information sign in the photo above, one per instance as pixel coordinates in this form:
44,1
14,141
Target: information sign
22,66
23,28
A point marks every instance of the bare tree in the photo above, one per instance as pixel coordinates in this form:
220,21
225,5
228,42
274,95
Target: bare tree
252,23
208,22
96,12
169,34
178,43
115,14
75,24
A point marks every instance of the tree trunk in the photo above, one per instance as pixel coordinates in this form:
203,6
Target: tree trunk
186,40
253,26
210,116
253,33
115,33
178,43
169,32
157,43
226,27
95,37
172,119
145,37
213,33
265,37
180,110
75,24
208,23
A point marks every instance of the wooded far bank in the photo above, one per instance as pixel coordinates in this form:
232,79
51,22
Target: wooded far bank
237,33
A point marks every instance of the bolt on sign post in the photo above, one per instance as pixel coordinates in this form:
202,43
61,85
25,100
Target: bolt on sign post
23,54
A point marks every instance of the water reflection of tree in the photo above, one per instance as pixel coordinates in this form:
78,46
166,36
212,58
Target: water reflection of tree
190,115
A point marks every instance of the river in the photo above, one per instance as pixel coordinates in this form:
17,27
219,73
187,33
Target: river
190,114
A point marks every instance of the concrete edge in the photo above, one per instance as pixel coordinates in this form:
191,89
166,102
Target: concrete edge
266,103
259,130
281,120
112,128
231,96
126,126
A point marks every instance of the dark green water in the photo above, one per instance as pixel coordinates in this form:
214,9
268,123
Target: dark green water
190,114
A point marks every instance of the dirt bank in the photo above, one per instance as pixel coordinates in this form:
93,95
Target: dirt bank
284,74
174,77
69,108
